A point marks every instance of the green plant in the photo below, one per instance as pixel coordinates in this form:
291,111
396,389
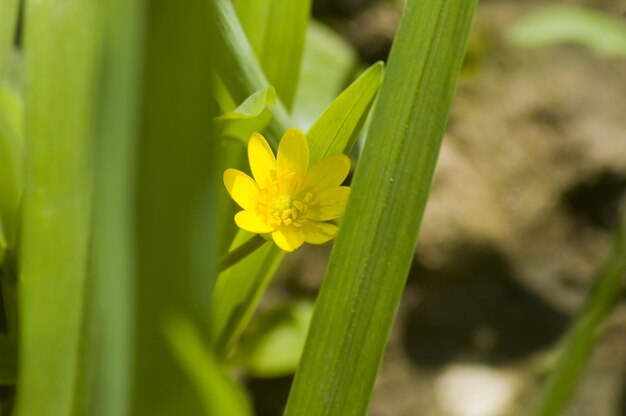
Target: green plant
114,218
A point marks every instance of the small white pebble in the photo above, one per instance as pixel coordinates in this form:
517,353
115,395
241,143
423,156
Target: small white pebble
475,390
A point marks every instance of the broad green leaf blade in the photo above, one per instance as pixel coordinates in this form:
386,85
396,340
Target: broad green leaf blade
106,367
220,395
601,300
273,344
175,217
239,288
8,20
328,64
602,33
252,115
240,69
276,31
374,249
61,81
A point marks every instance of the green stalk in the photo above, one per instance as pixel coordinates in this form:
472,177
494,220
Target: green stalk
373,252
586,329
241,252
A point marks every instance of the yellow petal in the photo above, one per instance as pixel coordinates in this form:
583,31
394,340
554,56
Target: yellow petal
328,173
332,203
293,153
262,160
319,232
241,188
289,183
250,221
288,238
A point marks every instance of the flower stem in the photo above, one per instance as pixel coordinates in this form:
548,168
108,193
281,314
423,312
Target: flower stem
235,256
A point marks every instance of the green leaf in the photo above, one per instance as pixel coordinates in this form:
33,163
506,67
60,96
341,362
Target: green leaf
602,33
61,50
375,246
338,128
328,64
276,31
11,157
176,186
238,289
273,344
252,115
583,335
108,346
220,396
239,68
8,20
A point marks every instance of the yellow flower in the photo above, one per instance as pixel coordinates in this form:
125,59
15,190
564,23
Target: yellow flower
285,198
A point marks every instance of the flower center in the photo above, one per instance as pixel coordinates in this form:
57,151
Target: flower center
284,209
283,203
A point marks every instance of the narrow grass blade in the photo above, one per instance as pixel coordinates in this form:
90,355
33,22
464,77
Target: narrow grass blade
106,367
239,288
584,333
374,249
8,20
176,237
62,50
276,31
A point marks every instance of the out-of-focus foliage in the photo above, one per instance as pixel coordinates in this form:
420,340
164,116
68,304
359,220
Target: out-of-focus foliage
56,211
276,31
219,394
11,146
327,65
8,20
600,32
273,344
